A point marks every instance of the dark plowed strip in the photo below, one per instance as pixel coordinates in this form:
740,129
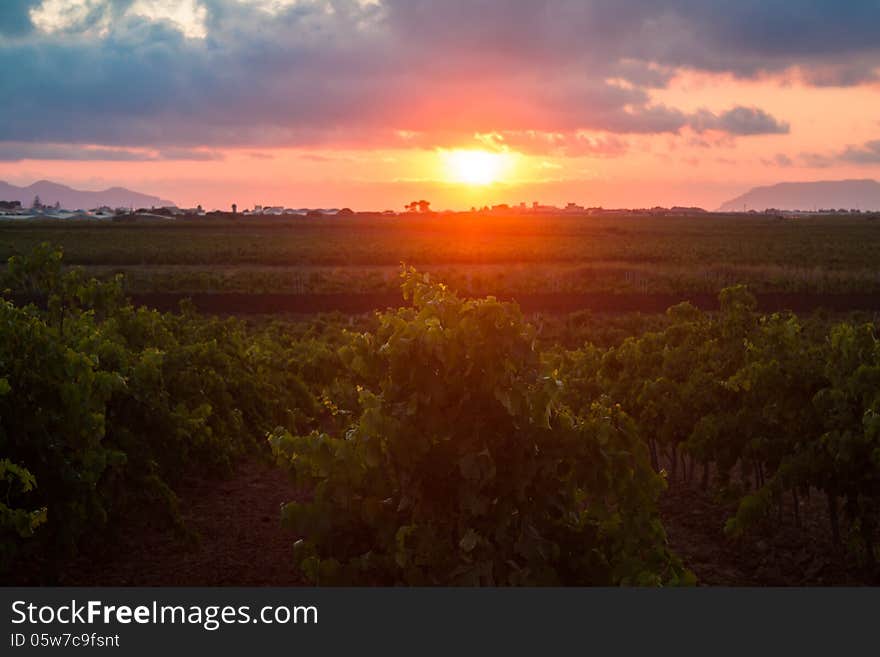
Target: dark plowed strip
239,540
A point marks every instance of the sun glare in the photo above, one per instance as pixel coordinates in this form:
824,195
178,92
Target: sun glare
475,167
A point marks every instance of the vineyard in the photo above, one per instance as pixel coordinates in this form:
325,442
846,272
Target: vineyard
476,256
454,441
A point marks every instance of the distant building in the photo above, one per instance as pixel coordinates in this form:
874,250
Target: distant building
196,211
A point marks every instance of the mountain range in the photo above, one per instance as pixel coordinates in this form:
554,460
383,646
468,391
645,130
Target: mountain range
826,194
73,199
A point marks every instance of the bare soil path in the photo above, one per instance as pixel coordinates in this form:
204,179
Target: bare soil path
238,539
779,553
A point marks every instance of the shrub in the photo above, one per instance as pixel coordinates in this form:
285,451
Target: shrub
461,467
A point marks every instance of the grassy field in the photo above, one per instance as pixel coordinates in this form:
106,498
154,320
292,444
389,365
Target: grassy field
476,254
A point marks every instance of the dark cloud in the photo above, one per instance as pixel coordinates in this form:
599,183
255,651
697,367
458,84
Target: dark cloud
364,73
817,160
744,37
18,151
193,154
15,152
555,143
829,42
644,74
869,153
740,121
779,160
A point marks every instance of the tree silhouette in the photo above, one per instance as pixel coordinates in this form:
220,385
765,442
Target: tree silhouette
418,206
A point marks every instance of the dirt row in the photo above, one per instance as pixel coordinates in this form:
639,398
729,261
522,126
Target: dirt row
233,538
236,540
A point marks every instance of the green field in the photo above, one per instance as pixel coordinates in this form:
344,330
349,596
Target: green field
474,254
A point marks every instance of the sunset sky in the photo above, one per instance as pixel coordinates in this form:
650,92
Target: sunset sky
374,103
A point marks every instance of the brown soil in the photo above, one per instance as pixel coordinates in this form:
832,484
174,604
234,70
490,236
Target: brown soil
236,540
778,553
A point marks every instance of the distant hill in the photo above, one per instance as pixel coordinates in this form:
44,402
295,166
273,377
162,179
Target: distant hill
74,199
849,194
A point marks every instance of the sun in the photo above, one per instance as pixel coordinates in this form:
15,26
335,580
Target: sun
475,167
